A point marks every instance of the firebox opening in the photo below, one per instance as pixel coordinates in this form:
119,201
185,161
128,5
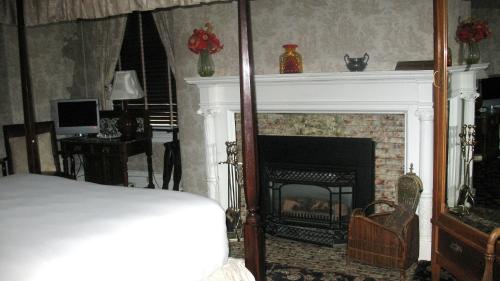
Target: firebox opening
319,206
308,194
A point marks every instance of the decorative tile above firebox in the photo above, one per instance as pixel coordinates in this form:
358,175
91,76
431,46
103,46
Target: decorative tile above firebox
386,130
383,92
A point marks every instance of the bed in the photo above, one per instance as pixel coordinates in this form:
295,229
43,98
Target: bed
59,229
40,12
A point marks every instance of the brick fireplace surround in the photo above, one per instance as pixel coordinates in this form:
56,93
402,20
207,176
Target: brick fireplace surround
394,108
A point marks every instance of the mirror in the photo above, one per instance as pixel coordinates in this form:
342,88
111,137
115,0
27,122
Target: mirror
473,172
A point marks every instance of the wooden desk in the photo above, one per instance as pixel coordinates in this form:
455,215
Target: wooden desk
105,160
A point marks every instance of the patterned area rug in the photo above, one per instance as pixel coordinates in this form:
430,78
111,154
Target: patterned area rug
329,261
282,272
291,260
423,273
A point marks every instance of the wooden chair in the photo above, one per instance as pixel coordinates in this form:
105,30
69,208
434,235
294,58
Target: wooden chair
388,239
15,149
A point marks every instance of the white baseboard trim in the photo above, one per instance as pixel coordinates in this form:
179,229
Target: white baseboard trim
137,178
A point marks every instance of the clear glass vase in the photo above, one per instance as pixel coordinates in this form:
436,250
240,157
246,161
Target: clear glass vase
471,54
206,67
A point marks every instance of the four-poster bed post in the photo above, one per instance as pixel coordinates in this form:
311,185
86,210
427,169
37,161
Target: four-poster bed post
254,237
29,112
440,91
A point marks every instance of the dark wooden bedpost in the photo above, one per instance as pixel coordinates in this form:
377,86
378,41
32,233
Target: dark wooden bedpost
29,112
254,237
440,90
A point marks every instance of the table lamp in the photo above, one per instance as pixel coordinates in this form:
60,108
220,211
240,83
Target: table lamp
126,87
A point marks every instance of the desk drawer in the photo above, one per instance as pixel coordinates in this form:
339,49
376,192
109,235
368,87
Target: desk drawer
70,148
103,169
104,149
463,256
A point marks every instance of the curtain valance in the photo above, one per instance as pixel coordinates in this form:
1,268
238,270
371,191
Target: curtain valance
38,12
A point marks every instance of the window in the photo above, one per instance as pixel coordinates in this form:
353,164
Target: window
151,65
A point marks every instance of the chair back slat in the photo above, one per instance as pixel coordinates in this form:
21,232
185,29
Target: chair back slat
15,147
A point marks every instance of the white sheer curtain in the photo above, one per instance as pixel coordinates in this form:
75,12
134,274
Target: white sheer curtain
37,12
102,40
165,31
163,26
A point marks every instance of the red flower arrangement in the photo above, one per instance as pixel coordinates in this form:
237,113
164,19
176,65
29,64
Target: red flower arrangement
204,39
472,31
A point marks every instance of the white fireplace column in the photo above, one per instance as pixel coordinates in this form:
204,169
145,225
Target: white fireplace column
382,92
462,95
424,211
210,148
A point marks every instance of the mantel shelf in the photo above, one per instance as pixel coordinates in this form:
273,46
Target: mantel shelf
472,67
332,77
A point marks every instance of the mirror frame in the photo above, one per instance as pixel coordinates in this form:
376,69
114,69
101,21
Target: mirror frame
440,89
446,227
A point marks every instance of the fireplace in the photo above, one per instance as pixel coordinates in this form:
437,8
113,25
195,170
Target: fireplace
369,92
311,184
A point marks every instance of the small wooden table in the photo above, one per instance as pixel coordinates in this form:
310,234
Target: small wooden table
105,160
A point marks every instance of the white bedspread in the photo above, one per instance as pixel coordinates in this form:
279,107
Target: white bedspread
55,229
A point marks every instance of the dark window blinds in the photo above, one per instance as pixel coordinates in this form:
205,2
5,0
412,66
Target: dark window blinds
159,103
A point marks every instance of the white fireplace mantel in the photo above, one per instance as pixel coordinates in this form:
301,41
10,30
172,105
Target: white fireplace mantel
397,92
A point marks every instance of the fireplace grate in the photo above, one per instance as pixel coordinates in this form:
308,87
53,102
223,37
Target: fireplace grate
309,203
315,235
311,176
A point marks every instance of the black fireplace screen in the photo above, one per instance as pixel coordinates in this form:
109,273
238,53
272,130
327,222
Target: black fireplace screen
310,185
309,204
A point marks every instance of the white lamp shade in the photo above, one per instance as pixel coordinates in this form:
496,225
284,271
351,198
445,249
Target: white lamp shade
126,86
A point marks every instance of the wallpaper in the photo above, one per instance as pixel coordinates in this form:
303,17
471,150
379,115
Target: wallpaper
53,71
325,30
10,69
52,66
5,112
490,48
456,9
